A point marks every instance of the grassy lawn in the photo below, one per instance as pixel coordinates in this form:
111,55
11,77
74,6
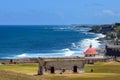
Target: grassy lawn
8,75
30,69
110,67
101,71
86,76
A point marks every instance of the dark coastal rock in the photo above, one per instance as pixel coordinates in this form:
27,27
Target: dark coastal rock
117,24
78,27
104,29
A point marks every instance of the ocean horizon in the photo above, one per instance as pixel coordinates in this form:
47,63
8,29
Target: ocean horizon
32,41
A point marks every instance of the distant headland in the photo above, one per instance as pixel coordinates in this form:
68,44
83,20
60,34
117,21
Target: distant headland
110,30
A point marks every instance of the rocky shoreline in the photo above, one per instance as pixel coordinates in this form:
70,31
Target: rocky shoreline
112,32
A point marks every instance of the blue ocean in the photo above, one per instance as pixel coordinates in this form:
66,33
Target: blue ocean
32,41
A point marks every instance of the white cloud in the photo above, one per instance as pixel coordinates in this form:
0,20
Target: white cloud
109,13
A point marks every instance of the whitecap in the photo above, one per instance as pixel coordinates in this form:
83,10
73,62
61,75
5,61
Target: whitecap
68,52
22,55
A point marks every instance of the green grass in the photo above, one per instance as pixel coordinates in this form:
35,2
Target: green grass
104,68
30,69
102,71
8,75
85,76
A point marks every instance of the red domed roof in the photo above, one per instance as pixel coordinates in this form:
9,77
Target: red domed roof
90,51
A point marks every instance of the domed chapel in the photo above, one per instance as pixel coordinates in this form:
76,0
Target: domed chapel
90,52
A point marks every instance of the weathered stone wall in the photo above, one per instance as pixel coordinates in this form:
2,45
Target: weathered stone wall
64,64
60,64
26,60
113,51
4,61
19,61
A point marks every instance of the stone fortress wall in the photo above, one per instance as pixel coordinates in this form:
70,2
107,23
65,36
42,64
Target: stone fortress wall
59,65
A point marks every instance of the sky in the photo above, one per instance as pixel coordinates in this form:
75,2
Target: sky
59,12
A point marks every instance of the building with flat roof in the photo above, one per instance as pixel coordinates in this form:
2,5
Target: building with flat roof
61,65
